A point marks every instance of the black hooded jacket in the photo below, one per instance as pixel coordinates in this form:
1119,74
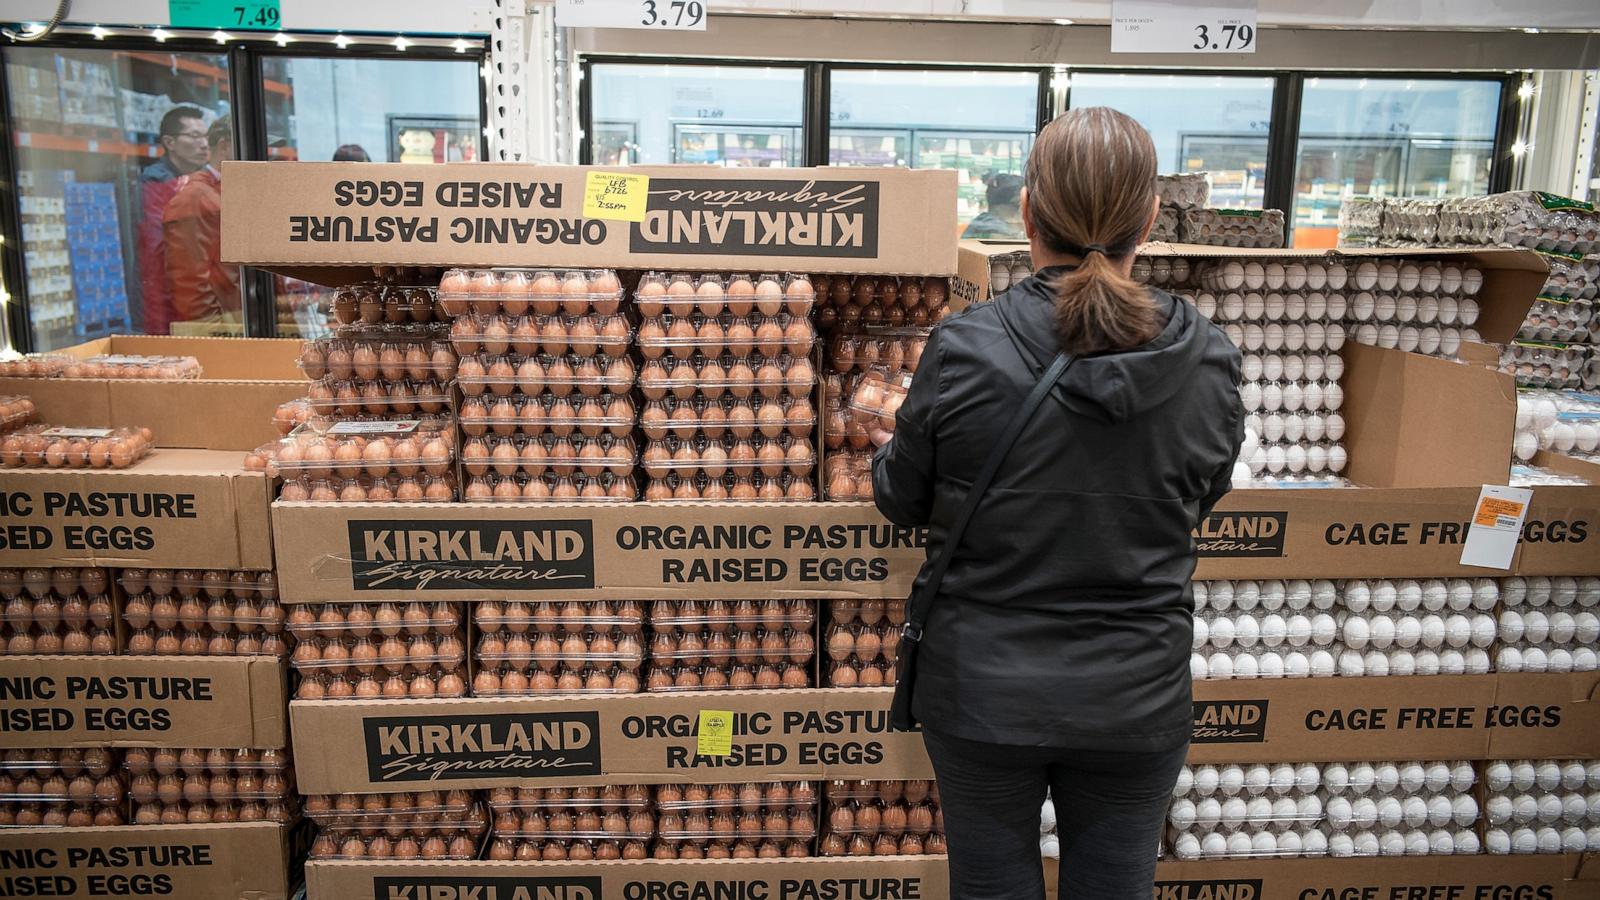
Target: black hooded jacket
1066,618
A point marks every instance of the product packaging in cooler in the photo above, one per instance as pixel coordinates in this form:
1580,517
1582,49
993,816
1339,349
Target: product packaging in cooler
190,612
740,378
873,301
57,447
384,304
56,611
73,787
717,644
389,354
862,641
882,818
736,821
197,786
369,651
15,412
36,365
553,824
551,647
541,292
421,825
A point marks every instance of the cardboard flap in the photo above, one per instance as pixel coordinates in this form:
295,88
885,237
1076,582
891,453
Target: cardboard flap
1546,716
227,861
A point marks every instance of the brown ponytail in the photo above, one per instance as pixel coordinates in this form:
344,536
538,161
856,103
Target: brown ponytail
1091,180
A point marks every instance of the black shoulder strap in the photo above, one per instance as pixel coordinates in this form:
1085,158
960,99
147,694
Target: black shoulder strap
917,614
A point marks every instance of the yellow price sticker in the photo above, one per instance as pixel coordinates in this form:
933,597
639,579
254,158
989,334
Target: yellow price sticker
715,733
615,195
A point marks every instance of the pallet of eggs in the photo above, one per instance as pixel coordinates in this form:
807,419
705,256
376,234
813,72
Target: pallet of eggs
1546,364
728,385
379,373
382,303
736,821
882,818
56,611
378,650
60,447
547,411
122,367
863,641
188,612
1549,624
36,365
719,644
551,647
1532,219
1565,308
1253,228
1411,808
15,412
584,823
1542,806
72,787
200,786
448,824
408,461
1179,194
1560,421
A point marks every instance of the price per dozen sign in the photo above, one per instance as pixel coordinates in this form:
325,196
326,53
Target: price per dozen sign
247,15
1158,26
659,15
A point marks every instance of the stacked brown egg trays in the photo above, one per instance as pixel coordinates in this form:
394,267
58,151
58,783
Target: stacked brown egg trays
171,786
736,821
15,412
190,612
400,461
719,645
583,823
882,818
72,787
408,825
374,304
546,467
863,641
383,650
52,611
552,647
853,301
60,447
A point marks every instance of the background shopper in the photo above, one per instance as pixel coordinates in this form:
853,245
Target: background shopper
203,289
1057,650
185,151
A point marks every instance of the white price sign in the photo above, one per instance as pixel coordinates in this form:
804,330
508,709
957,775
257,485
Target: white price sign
1173,26
656,15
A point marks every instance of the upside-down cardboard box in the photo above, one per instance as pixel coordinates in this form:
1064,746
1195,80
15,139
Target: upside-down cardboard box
228,408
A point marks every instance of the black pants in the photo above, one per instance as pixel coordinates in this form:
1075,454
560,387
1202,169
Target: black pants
1110,807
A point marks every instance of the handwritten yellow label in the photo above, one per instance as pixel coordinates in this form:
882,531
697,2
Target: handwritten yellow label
614,195
715,733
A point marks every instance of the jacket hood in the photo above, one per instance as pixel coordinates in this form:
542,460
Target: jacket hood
1117,385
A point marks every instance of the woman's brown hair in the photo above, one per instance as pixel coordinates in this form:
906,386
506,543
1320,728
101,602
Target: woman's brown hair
1091,182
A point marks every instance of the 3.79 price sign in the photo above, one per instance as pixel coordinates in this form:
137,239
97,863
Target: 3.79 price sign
1172,26
657,15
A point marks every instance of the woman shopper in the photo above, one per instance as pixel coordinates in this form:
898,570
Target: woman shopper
1055,650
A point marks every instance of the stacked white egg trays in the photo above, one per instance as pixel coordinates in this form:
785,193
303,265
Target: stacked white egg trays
1533,219
1265,629
1405,808
1287,318
1565,308
1417,305
1563,422
1542,806
1261,229
1548,624
1190,190
1432,626
1248,811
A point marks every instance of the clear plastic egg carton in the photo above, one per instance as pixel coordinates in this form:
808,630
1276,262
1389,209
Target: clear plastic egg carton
548,414
590,336
877,397
625,799
517,291
848,475
352,449
367,489
1556,320
727,417
555,822
197,786
1171,272
1546,365
540,455
601,646
1549,624
862,641
58,447
384,304
536,374
1542,806
740,378
856,301
747,647
558,618
291,414
851,352
1565,422
730,616
130,366
605,487
211,613
355,621
36,365
1263,645
731,487
15,412
1524,475
61,787
378,650
680,337
387,354
1258,228
1254,811
1007,269
376,398
1186,190
882,818
51,611
729,455
564,850
1532,219
432,825
719,644
204,812
755,815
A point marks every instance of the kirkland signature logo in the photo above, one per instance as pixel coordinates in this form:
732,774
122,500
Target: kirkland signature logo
768,217
410,554
515,745
1229,722
1241,534
474,887
1215,889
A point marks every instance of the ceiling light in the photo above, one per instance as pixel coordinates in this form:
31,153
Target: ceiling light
400,43
99,33
161,35
1525,90
220,36
460,45
281,39
341,41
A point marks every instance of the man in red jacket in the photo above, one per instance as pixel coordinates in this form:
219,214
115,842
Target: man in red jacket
203,289
183,136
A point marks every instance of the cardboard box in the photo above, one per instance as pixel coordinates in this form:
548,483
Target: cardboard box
181,509
900,877
193,862
974,262
229,408
327,222
230,702
1479,877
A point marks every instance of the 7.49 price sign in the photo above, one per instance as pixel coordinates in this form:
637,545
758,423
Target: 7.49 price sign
1173,26
240,15
656,15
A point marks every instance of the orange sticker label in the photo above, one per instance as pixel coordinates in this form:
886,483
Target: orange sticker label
1495,512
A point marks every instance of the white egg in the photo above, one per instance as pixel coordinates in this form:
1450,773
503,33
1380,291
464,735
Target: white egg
1332,399
1462,776
1338,276
1352,664
1497,775
1272,396
1334,335
1452,662
1407,632
1440,843
1549,840
1198,669
1523,775
1402,662
1275,460
1485,594
1219,666
1405,308
1380,632
1181,813
1514,590
1296,665
1316,276
1322,664
1465,809
1497,811
1427,662
1239,844
1341,846
1206,780
1433,631
1202,632
1245,665
1477,661
1439,811
1220,595
1269,664
1184,846
1498,841
1213,845
1384,596
1324,628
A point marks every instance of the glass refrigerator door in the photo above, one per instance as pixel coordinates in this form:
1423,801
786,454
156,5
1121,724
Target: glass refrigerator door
745,146
1334,169
868,147
974,155
1236,163
615,143
1447,168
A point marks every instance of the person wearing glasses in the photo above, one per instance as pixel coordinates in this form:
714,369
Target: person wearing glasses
185,150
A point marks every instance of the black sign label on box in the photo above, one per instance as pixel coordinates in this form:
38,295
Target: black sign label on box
448,554
1234,534
1229,722
429,887
521,745
1209,889
759,218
